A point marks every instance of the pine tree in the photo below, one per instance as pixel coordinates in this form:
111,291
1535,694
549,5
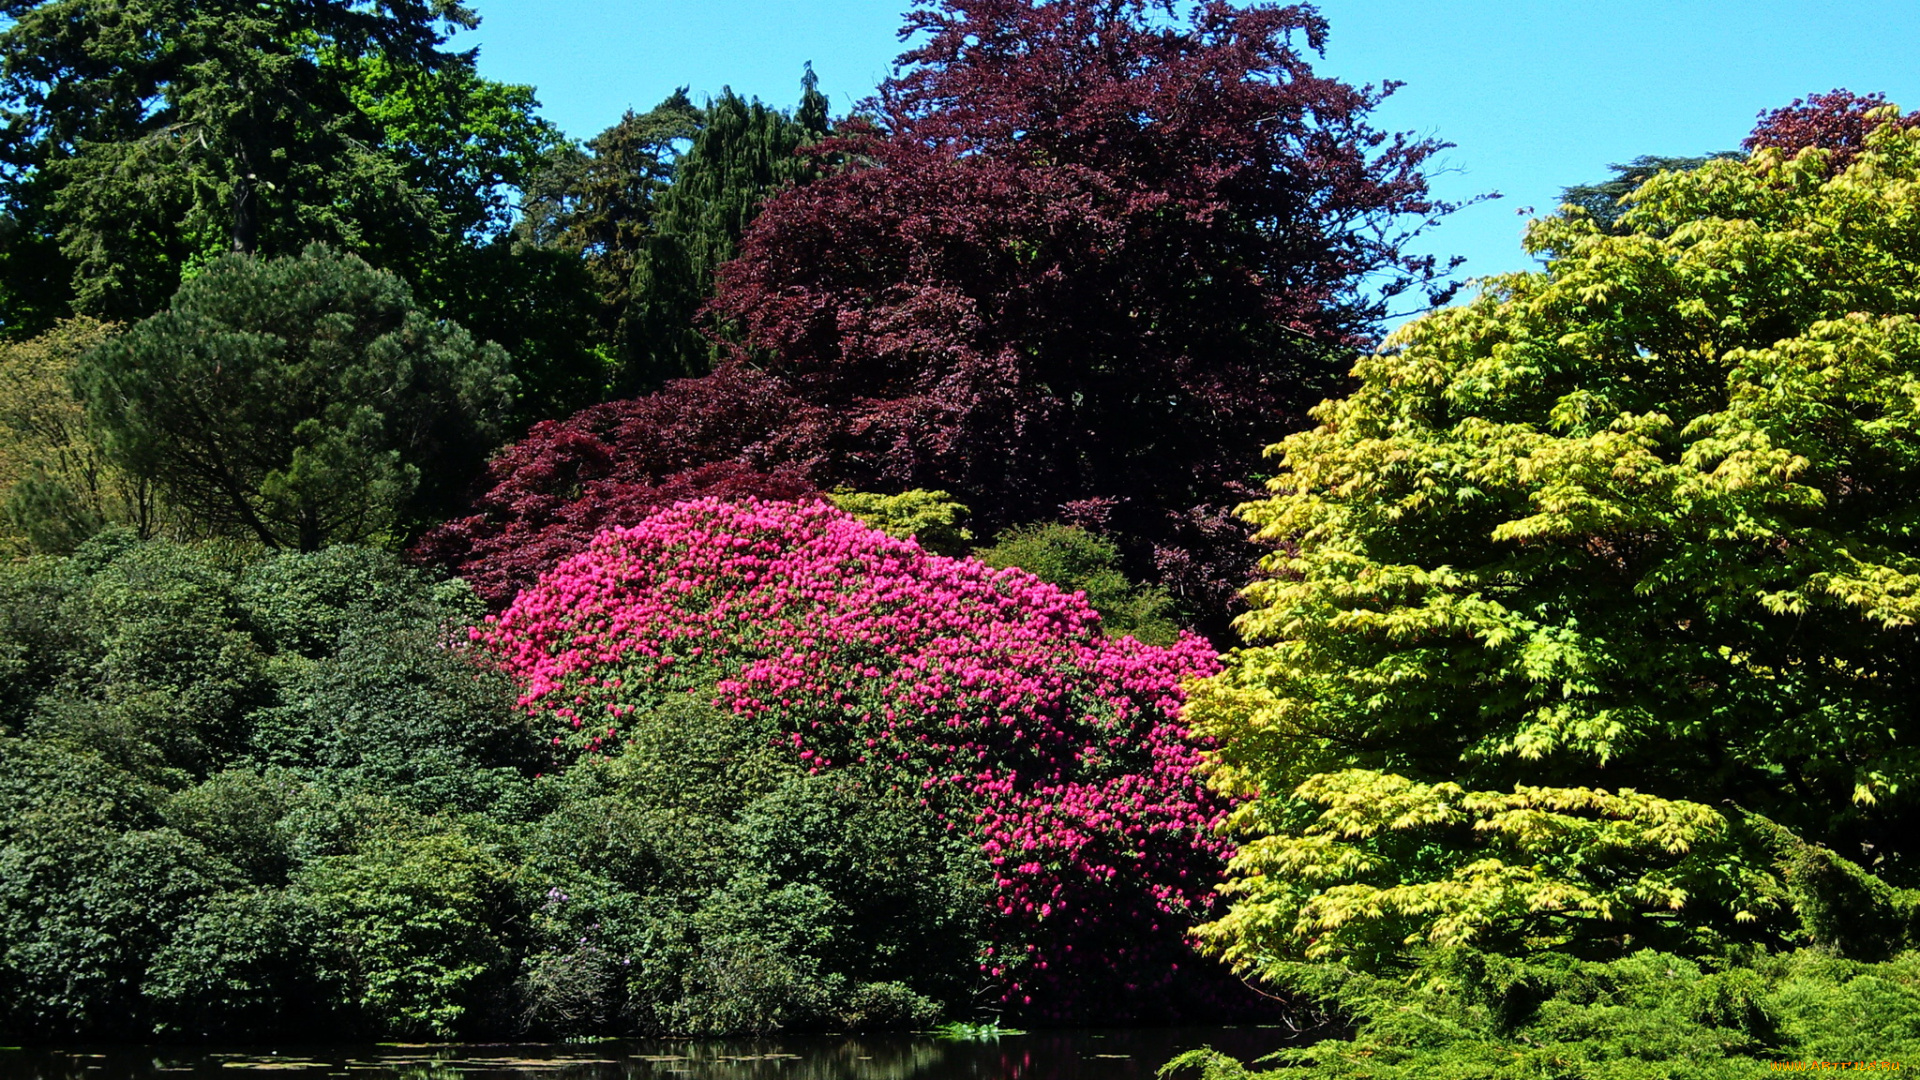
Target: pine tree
298,402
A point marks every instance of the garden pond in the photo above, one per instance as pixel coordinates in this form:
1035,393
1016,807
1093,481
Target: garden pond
1105,1054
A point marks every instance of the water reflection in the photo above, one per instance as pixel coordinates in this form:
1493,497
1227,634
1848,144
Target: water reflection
1059,1055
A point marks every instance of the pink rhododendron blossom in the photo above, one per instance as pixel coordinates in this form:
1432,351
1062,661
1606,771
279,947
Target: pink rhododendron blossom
990,693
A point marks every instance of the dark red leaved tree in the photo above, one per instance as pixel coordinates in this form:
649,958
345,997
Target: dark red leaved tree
1088,252
1836,120
1084,259
730,434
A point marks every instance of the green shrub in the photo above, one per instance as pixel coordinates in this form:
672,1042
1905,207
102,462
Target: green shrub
188,729
411,928
698,882
933,518
90,888
1078,561
1468,1015
242,965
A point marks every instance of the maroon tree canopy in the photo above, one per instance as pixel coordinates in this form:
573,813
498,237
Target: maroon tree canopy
1082,260
1087,251
730,434
1836,120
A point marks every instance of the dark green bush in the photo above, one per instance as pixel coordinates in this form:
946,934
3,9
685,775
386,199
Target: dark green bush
242,965
91,886
700,882
227,784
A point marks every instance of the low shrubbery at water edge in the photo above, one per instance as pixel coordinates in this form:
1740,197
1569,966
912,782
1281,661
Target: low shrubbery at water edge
743,768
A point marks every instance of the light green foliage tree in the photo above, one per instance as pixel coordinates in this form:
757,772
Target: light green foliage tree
1595,585
1604,202
60,489
1078,561
934,518
298,402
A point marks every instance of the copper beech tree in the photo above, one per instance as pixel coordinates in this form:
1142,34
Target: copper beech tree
1079,259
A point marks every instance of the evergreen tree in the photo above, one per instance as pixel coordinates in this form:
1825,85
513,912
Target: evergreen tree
298,402
144,140
599,201
744,152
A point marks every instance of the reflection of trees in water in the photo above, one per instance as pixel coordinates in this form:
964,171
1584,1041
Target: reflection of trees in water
429,1070
1062,1055
790,1059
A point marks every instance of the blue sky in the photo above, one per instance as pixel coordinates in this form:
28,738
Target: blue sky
1537,95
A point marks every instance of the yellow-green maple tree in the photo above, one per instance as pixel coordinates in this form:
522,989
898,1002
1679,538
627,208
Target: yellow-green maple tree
1592,581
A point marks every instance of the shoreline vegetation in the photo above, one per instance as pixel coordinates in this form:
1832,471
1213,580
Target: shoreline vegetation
969,565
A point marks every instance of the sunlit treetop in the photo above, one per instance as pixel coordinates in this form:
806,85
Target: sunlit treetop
1635,527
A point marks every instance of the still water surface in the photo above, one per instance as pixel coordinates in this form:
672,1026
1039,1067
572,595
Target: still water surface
1115,1054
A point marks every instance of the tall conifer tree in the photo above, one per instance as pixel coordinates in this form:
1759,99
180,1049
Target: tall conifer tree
144,140
745,152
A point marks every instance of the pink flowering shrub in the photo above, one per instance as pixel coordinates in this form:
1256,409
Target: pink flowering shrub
991,694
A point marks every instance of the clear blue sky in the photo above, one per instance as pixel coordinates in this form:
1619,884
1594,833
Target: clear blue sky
1537,94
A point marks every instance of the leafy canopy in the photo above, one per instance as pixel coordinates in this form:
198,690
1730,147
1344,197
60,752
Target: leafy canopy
1083,251
1468,1015
1591,579
145,139
296,401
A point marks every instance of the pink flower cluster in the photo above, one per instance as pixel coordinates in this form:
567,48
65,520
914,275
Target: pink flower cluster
989,692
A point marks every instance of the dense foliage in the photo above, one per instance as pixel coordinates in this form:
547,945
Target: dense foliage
849,678
986,696
1837,121
244,791
299,401
1637,522
1592,632
149,139
1468,1015
1603,201
209,758
744,152
597,199
60,485
988,300
1079,561
651,206
612,465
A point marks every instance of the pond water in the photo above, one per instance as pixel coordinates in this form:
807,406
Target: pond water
1114,1054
